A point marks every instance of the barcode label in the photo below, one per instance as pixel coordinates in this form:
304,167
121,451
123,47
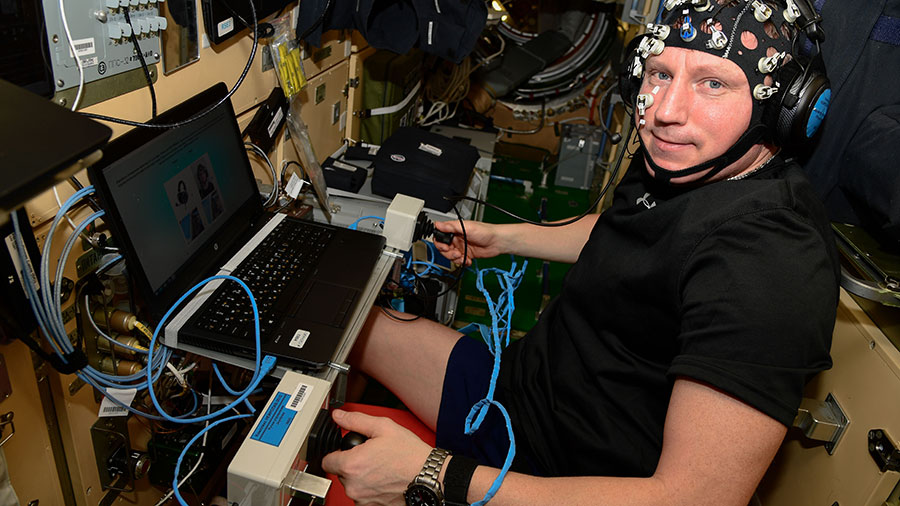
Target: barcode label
112,411
301,394
124,395
83,47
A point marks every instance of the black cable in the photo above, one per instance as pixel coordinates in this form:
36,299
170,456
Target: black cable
389,315
284,167
462,268
140,55
318,22
208,109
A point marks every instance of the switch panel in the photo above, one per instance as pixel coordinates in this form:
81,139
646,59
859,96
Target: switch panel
102,37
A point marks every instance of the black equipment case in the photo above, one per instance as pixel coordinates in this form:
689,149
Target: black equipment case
424,165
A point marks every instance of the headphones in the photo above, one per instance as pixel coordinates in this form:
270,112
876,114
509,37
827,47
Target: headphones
793,115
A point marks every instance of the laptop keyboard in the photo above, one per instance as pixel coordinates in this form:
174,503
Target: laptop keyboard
275,272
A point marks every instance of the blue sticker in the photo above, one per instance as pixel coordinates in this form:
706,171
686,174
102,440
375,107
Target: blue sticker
275,422
818,113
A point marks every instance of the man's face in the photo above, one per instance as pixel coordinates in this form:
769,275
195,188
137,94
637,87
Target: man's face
701,108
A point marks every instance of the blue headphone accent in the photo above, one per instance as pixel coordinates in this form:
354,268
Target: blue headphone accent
818,113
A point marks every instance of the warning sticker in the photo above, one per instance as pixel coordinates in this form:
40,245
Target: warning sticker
275,422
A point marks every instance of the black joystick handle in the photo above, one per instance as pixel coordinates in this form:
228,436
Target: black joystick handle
352,439
444,237
324,438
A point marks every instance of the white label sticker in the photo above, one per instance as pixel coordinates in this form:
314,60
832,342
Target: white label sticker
14,254
225,27
295,184
373,150
275,121
341,165
123,395
428,148
83,47
299,339
301,395
90,62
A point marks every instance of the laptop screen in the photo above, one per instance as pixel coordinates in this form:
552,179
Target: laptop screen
178,198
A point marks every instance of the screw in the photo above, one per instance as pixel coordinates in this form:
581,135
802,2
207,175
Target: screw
60,83
156,55
62,102
101,16
55,38
871,345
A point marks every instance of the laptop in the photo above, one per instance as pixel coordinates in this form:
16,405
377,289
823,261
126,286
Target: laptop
183,205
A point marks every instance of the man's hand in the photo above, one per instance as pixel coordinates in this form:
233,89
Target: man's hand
379,470
483,240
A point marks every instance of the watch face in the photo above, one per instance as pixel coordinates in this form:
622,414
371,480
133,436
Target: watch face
421,495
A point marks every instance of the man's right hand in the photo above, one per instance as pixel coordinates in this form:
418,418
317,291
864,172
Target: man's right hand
484,241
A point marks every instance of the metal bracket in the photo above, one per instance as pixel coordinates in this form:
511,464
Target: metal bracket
7,419
883,452
308,488
339,388
354,82
822,421
110,435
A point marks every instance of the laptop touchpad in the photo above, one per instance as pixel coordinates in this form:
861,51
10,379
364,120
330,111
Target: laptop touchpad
327,303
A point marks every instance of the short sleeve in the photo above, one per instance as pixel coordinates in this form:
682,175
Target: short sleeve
758,302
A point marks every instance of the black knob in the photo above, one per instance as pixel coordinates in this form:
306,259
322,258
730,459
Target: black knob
352,439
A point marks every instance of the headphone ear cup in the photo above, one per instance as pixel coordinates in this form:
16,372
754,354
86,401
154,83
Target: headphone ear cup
629,86
801,107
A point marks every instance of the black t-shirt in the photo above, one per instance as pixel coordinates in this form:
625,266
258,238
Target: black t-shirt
733,283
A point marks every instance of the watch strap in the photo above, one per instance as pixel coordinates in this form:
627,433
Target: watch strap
457,478
433,464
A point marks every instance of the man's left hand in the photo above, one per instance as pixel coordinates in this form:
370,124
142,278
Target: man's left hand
379,470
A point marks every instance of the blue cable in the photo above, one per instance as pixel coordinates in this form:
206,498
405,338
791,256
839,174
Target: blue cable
191,443
45,259
30,290
109,264
501,323
355,224
229,389
56,312
259,372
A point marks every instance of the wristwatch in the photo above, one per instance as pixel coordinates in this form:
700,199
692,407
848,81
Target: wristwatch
425,489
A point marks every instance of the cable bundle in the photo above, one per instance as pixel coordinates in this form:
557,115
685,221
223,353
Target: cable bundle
48,313
496,339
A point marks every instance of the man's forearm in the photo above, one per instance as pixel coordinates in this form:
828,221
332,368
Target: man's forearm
558,244
520,489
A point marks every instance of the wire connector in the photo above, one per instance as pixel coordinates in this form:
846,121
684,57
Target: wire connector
425,229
